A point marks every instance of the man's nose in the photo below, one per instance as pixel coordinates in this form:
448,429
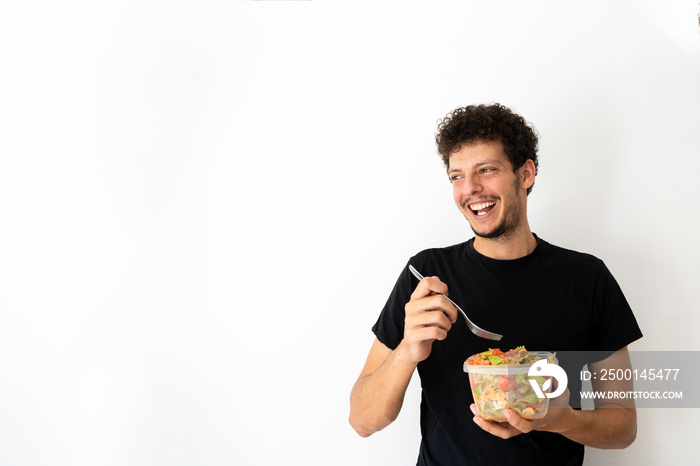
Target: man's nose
471,186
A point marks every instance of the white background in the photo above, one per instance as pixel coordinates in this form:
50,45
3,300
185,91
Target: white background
204,206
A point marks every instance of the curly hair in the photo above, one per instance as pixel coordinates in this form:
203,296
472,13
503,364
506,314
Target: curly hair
468,125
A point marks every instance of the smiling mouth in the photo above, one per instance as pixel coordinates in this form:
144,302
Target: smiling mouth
482,208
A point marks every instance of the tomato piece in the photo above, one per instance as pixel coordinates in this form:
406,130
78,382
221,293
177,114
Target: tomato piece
503,382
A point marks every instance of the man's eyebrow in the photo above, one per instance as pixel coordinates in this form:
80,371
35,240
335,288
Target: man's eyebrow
478,164
489,162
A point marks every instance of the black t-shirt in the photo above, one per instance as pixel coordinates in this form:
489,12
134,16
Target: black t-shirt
553,299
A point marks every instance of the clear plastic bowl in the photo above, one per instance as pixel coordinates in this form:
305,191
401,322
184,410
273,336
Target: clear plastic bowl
496,388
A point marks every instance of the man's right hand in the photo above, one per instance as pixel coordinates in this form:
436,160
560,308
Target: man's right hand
429,316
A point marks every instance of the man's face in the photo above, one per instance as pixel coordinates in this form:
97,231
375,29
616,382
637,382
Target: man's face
487,191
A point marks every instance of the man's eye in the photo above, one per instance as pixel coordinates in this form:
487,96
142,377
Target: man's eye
454,178
486,170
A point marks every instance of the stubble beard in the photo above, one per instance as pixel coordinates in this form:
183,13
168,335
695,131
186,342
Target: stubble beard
504,230
510,223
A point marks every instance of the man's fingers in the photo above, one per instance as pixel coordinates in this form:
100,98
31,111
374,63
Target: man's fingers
430,319
430,294
427,286
432,303
499,429
429,333
517,422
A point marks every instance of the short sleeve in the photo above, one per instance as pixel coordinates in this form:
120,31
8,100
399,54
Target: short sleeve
390,324
615,324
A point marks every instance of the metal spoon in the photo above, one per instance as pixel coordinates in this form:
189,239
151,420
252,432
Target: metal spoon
476,330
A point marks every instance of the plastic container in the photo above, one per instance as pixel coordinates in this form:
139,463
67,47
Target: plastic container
496,388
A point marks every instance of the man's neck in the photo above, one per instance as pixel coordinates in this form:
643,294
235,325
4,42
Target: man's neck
515,246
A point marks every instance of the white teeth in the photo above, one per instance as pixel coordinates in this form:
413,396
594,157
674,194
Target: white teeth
483,205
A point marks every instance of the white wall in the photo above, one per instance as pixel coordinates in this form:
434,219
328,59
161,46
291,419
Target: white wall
204,206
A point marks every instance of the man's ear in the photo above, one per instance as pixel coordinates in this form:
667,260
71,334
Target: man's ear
527,171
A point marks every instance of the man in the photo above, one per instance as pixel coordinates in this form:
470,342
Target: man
510,282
